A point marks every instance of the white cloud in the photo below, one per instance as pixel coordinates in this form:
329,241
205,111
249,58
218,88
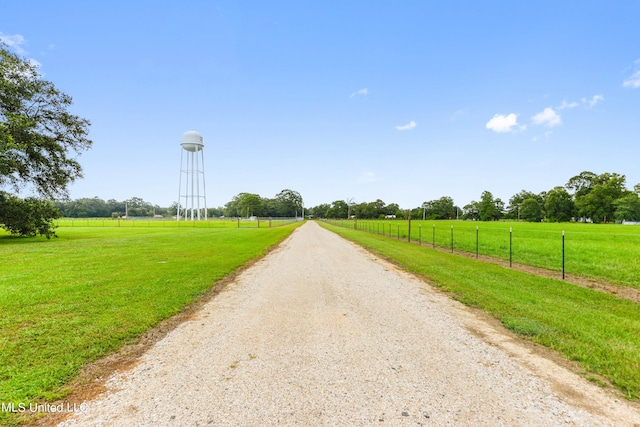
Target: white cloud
409,126
634,80
590,103
567,105
502,124
360,92
593,101
13,41
547,117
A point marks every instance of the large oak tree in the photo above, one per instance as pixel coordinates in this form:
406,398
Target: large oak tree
39,139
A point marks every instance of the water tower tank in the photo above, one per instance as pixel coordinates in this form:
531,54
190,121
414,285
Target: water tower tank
192,141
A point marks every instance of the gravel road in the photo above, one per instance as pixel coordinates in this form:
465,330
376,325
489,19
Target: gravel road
321,332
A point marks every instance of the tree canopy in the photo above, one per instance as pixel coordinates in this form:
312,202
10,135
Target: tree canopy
596,198
287,203
39,140
443,208
558,205
38,134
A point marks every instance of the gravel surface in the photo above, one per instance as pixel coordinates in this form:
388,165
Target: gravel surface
321,332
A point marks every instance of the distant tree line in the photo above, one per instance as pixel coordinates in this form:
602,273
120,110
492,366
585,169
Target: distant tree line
346,209
442,208
98,208
134,207
287,203
585,197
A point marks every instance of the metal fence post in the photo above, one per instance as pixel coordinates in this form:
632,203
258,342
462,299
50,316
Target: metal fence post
434,236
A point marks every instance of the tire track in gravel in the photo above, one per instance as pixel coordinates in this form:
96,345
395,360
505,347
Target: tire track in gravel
321,332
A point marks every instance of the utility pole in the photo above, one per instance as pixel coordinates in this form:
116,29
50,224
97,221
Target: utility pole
350,202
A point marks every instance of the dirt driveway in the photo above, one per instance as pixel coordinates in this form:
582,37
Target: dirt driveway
321,332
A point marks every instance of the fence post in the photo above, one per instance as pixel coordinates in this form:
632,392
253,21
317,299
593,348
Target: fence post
238,222
398,225
434,236
409,226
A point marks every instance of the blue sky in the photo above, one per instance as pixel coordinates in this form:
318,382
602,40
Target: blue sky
404,101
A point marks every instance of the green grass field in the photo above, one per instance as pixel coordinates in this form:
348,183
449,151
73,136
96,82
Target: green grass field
68,301
597,330
607,252
171,223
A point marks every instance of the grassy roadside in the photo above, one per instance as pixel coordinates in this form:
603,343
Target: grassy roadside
607,252
68,301
597,330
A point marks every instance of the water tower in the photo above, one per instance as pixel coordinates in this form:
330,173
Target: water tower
192,200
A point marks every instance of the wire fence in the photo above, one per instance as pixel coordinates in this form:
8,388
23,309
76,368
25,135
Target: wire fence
609,252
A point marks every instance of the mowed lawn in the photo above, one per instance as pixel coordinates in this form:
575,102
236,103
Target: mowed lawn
65,302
